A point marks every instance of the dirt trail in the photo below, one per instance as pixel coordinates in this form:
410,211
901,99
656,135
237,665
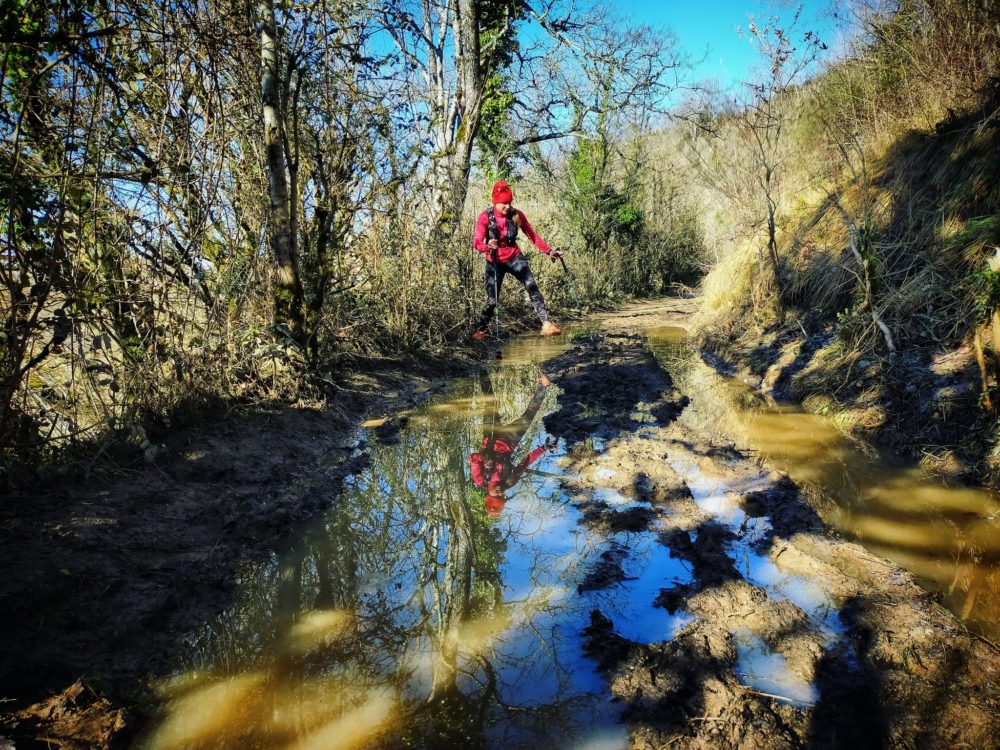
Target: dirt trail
870,659
103,582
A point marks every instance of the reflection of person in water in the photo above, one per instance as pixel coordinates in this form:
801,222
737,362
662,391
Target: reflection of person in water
493,467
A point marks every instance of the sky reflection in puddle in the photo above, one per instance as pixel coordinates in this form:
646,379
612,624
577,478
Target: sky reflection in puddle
648,569
410,598
758,666
764,670
448,607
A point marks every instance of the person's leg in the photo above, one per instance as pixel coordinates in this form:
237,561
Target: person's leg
519,267
491,413
514,430
520,270
494,280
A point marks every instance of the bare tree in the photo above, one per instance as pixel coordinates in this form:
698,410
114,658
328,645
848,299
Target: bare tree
764,115
288,284
439,41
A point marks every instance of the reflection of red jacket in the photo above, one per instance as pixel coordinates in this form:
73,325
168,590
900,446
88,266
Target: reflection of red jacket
505,474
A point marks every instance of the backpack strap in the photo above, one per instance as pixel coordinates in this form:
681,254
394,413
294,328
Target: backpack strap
493,230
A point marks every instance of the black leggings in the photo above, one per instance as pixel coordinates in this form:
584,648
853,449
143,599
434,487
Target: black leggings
518,268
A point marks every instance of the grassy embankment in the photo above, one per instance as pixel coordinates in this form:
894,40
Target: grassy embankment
887,188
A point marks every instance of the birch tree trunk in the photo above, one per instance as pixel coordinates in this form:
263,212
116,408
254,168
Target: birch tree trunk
457,133
287,283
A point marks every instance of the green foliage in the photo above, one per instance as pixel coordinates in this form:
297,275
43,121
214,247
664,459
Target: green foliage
500,45
637,241
495,160
600,209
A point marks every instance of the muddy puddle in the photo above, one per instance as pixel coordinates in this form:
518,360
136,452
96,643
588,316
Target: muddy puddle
948,536
517,552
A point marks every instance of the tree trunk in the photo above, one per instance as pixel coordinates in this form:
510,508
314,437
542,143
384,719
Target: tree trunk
287,283
463,124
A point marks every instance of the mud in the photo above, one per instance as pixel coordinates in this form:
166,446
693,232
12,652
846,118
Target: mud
103,579
787,635
923,402
869,658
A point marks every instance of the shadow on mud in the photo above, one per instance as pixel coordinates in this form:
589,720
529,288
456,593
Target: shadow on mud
603,379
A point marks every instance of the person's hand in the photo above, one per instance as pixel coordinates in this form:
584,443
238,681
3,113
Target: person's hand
555,255
493,244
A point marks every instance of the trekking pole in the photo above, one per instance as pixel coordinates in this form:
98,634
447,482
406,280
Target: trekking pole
574,293
496,298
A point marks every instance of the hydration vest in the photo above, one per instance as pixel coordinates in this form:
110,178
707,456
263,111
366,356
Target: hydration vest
493,232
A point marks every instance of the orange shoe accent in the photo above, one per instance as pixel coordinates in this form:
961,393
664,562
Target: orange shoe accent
479,336
549,329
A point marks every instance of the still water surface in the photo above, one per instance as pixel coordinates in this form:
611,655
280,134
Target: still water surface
948,536
416,610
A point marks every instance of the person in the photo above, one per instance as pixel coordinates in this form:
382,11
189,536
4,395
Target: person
495,238
493,468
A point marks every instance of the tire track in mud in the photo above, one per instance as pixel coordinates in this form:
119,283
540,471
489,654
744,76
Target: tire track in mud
788,636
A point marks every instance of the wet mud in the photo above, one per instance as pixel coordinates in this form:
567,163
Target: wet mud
864,657
105,579
767,629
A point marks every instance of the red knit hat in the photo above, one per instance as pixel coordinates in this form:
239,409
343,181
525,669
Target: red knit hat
494,505
502,192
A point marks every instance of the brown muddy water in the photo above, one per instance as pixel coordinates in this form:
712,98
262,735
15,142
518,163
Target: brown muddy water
949,536
419,604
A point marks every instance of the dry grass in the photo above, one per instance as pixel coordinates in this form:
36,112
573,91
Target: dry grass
896,146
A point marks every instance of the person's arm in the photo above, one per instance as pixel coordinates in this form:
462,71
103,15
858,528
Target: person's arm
476,464
531,234
534,455
518,472
479,238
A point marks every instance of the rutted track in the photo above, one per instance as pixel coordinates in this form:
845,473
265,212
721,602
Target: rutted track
704,587
792,637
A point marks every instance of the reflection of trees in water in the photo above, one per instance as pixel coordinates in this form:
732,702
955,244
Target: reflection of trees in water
410,560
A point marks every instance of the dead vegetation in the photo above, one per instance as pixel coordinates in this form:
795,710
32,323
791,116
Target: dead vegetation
889,216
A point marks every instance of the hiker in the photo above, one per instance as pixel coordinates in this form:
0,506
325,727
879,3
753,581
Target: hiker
496,238
493,467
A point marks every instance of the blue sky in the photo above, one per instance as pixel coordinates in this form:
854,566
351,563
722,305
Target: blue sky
712,25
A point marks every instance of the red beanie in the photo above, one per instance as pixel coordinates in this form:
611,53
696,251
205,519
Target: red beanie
502,192
494,505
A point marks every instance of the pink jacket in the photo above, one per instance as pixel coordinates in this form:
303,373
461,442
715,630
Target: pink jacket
505,252
504,473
